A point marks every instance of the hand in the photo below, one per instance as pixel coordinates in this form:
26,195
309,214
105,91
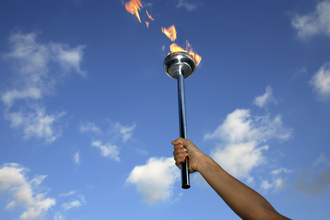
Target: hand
185,148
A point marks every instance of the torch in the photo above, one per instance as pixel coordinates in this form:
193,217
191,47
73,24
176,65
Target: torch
181,65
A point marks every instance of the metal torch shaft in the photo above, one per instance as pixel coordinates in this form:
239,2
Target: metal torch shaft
185,179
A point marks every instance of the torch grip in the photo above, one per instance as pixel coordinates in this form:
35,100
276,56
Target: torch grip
185,179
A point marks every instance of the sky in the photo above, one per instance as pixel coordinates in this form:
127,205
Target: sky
87,113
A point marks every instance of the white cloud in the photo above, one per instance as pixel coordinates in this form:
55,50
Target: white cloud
76,158
317,22
242,137
266,98
189,6
277,183
240,126
315,179
75,203
32,62
89,127
155,179
67,194
69,58
280,170
125,132
36,123
239,159
266,185
72,204
116,132
10,96
31,59
58,216
21,192
321,82
107,150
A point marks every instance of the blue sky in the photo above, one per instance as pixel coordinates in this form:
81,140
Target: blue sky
88,113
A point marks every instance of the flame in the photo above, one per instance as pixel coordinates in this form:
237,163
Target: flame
149,16
175,48
133,7
196,57
170,32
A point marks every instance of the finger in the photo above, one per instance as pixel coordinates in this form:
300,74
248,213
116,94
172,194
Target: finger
179,149
180,157
179,161
178,146
180,140
180,154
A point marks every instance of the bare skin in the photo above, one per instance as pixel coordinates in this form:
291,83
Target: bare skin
244,201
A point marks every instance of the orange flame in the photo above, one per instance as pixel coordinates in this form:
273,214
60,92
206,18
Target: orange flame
170,32
149,16
133,7
175,48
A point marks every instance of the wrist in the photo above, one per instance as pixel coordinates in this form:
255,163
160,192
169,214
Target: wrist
202,163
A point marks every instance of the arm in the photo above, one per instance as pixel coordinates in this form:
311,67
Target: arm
244,201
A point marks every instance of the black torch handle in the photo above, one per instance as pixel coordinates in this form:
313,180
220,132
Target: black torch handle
185,179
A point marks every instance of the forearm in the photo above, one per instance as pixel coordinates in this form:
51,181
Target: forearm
244,201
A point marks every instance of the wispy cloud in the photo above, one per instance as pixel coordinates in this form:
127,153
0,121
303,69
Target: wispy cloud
277,181
90,127
58,216
265,99
187,4
317,22
76,159
32,62
243,139
67,194
125,132
116,132
35,122
22,192
321,82
69,59
107,150
298,74
155,179
75,203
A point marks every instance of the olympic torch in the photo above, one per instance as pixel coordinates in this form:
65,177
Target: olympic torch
181,65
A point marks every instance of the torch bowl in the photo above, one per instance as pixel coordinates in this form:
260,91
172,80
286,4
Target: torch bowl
179,62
